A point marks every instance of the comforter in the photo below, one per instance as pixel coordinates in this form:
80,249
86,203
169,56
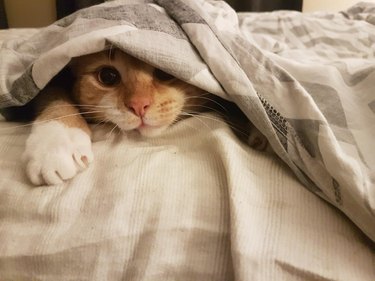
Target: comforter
307,82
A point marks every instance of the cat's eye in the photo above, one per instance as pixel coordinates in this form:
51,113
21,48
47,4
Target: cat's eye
109,76
162,76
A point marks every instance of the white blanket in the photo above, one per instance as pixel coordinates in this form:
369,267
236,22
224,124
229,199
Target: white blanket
195,204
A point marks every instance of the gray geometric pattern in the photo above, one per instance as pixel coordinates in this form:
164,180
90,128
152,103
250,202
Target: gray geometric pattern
328,101
308,133
141,16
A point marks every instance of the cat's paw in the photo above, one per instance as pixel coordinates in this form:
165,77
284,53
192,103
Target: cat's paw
257,140
55,152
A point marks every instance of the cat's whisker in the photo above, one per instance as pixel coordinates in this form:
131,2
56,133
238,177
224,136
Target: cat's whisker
110,133
16,127
195,113
101,123
81,105
73,114
209,99
195,116
45,121
227,122
202,106
187,124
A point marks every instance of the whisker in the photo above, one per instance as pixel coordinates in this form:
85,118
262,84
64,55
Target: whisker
110,133
209,99
227,122
186,124
16,127
217,119
205,116
195,116
231,124
45,121
202,106
101,123
81,105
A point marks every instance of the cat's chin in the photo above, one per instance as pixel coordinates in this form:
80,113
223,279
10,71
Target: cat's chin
150,132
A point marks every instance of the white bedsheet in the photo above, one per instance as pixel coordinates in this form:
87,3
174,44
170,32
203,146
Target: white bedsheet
195,204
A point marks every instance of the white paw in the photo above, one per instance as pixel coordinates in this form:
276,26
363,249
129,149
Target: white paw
55,152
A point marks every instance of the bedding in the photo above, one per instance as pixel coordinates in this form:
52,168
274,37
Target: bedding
197,203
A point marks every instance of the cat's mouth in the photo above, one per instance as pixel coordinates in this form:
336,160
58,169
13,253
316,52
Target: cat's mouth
151,128
149,124
147,128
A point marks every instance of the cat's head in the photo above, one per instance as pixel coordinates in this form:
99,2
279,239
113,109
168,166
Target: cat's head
118,88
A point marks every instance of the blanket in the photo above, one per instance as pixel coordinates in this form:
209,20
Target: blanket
194,204
305,81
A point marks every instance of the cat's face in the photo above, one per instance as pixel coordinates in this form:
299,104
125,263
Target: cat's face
117,88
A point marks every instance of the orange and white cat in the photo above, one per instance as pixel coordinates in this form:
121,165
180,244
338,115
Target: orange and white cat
109,86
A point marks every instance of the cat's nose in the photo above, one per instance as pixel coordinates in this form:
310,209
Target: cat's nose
139,105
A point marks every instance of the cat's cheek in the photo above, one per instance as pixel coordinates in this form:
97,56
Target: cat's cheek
55,152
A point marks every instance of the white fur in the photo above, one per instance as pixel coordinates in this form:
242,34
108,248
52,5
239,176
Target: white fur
55,152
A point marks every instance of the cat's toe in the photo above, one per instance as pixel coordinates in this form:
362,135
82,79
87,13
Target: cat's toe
33,172
83,156
60,168
52,169
51,177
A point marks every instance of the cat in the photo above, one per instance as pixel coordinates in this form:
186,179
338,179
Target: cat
109,86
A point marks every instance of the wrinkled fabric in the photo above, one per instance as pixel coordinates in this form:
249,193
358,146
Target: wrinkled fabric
194,204
305,80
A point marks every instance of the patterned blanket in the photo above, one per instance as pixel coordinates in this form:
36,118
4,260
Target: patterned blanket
305,80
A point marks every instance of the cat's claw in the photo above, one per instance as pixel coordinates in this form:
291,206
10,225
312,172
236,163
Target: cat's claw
55,153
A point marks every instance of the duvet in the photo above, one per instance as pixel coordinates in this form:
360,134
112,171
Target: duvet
305,80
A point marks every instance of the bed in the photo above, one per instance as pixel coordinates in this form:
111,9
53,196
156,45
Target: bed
198,203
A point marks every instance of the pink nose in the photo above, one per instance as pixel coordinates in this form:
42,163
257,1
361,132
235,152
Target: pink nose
139,105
